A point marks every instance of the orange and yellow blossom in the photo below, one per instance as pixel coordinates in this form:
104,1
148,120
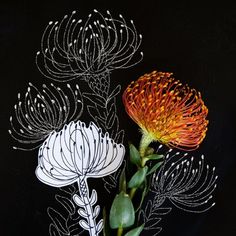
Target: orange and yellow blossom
166,111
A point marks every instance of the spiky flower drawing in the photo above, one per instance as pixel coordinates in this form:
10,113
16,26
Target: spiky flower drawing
75,48
40,111
74,154
185,181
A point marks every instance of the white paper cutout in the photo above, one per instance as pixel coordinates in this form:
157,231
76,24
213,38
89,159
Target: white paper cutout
38,112
73,48
74,154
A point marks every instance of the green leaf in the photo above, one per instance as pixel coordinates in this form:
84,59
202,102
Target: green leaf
144,192
154,157
122,213
135,232
122,181
138,178
134,155
155,167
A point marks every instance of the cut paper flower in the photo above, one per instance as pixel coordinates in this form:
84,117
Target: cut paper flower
166,111
77,152
40,111
75,48
74,154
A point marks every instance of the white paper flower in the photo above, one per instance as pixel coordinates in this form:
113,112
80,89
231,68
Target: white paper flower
77,151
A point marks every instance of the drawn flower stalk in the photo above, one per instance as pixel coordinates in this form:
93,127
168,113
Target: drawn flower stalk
86,203
74,154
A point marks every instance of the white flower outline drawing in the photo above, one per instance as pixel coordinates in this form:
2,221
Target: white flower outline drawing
41,111
74,154
76,48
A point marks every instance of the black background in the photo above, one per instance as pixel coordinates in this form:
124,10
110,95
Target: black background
195,41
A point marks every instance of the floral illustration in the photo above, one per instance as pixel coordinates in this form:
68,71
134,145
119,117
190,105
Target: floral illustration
73,149
74,154
40,111
75,48
89,50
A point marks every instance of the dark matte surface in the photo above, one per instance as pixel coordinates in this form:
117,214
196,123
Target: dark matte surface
196,42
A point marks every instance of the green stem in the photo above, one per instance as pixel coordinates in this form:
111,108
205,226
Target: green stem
144,143
120,231
132,193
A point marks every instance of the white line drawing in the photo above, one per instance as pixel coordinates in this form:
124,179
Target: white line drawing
38,112
73,48
101,106
65,224
74,154
183,180
89,50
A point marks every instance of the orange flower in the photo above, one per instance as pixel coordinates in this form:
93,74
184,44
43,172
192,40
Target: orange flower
166,111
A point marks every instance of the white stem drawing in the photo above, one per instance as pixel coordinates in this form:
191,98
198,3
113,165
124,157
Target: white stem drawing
86,203
74,154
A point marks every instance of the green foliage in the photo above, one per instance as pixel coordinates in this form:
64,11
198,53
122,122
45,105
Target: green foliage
154,157
135,231
122,213
138,178
155,167
134,155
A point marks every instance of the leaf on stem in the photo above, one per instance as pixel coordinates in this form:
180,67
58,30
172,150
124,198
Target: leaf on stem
122,213
154,157
135,232
134,155
155,167
138,178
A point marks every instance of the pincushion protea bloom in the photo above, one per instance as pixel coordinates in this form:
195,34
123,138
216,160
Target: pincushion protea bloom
166,111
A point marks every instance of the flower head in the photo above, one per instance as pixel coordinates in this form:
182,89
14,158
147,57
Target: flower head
76,48
77,151
166,110
38,112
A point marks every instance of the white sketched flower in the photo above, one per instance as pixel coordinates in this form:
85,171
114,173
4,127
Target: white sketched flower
77,151
75,48
41,111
